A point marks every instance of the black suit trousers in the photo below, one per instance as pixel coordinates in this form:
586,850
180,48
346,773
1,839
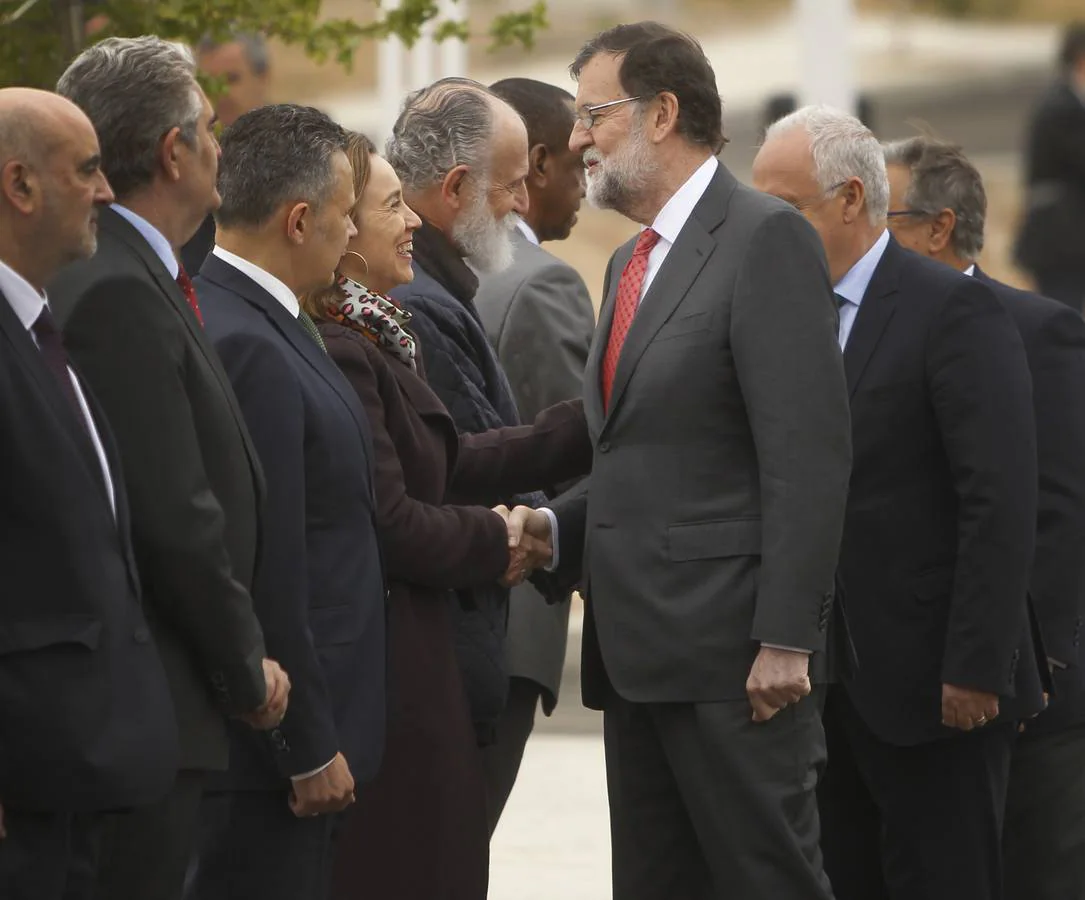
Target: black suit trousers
706,804
912,823
49,856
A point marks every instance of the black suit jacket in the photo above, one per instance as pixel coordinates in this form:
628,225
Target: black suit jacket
1054,339
199,245
1053,230
192,474
319,588
941,519
85,715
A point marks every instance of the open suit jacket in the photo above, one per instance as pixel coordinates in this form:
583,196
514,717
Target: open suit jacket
319,587
1054,339
86,721
938,540
712,518
192,474
539,317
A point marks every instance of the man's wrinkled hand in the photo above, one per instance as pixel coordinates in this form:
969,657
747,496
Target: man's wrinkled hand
777,678
966,709
329,791
276,698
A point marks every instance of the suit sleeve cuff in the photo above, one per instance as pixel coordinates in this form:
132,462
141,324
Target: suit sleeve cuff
552,566
305,775
789,649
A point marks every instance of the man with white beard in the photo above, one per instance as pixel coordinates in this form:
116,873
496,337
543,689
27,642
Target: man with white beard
462,155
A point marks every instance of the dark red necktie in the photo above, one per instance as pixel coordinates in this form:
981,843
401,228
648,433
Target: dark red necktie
185,284
56,358
625,307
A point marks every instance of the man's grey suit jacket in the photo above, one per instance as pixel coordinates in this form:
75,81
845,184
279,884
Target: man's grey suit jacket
539,317
712,519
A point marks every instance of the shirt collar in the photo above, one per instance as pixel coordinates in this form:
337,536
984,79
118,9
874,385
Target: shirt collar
853,286
676,211
152,236
971,270
527,231
21,295
266,280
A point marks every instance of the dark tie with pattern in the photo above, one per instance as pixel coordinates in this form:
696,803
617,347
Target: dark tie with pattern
186,285
56,358
625,307
310,326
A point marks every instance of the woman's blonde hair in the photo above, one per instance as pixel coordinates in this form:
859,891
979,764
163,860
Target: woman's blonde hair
359,150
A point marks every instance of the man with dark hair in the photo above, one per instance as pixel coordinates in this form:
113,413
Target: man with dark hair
937,208
538,316
85,709
706,536
243,65
287,196
1051,244
131,321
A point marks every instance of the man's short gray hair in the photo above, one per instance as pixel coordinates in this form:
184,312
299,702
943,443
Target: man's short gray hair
448,124
843,148
252,42
134,90
943,178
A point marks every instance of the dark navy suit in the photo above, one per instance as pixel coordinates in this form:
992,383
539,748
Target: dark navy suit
318,591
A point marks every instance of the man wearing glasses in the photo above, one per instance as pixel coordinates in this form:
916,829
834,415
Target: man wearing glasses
706,536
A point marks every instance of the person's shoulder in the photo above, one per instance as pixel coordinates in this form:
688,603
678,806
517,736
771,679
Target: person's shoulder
345,343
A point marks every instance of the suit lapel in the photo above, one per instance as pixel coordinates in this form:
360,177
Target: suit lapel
673,281
878,306
125,233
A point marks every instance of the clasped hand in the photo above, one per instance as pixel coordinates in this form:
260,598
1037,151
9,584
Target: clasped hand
529,542
276,698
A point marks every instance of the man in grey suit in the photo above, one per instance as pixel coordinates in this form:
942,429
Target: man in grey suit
538,315
707,534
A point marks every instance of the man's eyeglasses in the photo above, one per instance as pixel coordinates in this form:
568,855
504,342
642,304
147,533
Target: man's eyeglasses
586,117
903,213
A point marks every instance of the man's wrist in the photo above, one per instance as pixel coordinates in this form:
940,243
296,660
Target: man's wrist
317,771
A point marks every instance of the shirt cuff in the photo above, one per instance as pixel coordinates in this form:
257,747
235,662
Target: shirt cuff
789,649
305,775
553,564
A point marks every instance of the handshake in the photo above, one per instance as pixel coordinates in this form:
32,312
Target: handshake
530,542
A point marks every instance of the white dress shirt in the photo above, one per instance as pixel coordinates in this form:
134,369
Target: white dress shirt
971,270
527,231
289,302
265,279
28,304
152,236
853,286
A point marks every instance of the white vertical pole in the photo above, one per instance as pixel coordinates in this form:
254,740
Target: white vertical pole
422,58
453,52
826,67
390,87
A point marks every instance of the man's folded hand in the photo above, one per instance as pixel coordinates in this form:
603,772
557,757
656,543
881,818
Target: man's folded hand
329,790
275,700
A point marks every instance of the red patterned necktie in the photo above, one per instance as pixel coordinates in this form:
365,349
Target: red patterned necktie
185,284
625,307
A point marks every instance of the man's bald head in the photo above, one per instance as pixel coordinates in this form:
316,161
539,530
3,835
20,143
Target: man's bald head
51,183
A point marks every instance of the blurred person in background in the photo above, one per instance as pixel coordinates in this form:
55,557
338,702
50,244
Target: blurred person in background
131,320
937,207
85,709
1051,244
539,318
242,68
287,196
420,830
936,555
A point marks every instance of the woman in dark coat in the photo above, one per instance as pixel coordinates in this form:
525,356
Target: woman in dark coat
419,831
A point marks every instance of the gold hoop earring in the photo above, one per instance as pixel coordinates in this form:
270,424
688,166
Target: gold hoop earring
362,258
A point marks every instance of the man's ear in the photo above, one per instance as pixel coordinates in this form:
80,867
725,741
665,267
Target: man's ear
854,194
168,154
538,164
940,232
298,221
664,120
453,188
20,186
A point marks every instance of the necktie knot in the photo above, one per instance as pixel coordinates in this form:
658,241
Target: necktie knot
45,326
646,240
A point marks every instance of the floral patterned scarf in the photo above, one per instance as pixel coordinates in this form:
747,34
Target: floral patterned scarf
378,317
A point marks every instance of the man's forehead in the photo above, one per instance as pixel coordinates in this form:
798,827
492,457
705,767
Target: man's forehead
599,80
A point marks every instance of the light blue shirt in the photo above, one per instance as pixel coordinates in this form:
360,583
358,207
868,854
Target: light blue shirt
853,286
152,236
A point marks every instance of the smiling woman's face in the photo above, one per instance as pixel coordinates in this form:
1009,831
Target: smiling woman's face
385,226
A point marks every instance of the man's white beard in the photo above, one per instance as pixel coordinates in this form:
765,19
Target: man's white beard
616,180
484,240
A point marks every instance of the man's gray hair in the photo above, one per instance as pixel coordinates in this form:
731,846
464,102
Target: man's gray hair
843,148
448,124
943,178
252,42
134,91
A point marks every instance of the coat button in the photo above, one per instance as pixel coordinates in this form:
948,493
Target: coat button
604,447
278,739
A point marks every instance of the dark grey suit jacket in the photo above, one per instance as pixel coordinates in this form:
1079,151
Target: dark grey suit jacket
538,315
712,519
